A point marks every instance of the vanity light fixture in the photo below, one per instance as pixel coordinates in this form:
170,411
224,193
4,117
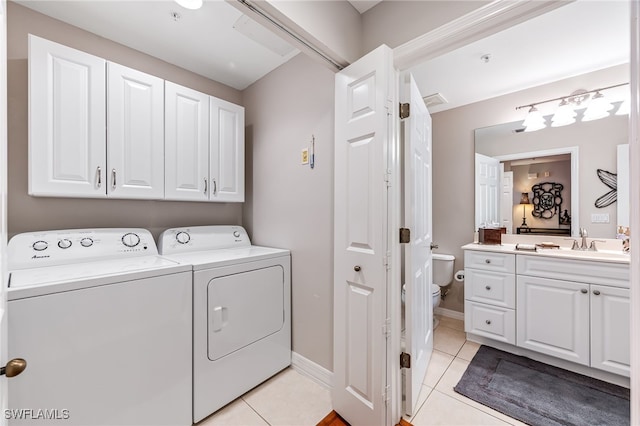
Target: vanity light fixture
190,4
597,107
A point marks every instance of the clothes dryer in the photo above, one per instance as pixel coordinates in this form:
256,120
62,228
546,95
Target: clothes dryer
104,324
241,311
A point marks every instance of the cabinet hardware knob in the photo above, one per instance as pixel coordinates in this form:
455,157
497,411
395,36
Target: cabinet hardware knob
13,367
488,287
596,292
113,178
488,322
215,187
357,268
487,261
99,173
205,185
584,291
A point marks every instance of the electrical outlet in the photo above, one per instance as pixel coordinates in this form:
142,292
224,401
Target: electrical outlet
305,156
599,217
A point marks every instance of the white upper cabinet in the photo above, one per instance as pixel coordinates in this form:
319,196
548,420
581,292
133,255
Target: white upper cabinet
186,144
226,165
67,101
99,129
135,134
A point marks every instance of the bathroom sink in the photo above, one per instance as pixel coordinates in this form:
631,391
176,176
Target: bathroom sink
600,255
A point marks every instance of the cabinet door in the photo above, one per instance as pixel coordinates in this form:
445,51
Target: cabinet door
553,317
135,141
610,329
186,144
67,155
227,151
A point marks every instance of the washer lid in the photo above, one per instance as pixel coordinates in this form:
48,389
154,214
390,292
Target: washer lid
224,257
54,279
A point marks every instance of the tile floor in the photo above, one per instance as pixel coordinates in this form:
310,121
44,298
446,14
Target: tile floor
292,399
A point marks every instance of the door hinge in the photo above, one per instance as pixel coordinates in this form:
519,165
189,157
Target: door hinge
405,235
389,106
387,179
405,111
386,261
386,394
386,328
405,360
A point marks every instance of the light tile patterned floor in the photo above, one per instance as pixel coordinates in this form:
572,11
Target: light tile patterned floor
292,399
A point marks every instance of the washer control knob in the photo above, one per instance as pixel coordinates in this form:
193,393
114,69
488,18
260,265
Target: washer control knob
64,243
86,242
183,237
40,245
130,239
236,234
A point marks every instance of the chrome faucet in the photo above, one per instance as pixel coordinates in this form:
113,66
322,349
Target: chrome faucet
583,234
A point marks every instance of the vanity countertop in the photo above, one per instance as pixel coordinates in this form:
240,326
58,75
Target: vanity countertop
609,256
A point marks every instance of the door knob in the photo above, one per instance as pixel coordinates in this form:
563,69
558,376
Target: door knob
434,246
13,367
357,268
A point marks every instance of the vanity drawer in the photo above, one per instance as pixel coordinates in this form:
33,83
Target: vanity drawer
585,271
489,287
490,261
490,321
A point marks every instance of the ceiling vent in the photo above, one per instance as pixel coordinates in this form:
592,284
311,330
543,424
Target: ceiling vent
433,100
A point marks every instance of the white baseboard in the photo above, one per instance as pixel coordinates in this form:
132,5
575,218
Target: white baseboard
449,313
314,371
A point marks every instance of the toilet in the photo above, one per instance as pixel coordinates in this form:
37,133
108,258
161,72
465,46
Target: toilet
442,277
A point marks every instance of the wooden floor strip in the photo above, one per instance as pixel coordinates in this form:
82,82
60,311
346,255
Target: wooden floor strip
334,419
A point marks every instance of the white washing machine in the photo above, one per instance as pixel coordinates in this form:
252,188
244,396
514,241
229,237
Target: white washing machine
241,311
104,324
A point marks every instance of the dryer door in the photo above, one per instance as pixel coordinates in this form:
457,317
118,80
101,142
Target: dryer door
243,308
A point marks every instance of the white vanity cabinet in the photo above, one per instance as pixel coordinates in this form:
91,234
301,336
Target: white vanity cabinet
67,121
570,308
135,134
186,143
490,295
95,127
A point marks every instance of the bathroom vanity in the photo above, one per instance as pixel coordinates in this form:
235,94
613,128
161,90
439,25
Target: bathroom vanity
559,303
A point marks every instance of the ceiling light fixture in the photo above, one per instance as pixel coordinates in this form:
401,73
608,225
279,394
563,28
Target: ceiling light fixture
597,107
190,4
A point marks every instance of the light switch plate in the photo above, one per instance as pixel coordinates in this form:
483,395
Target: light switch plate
305,156
599,217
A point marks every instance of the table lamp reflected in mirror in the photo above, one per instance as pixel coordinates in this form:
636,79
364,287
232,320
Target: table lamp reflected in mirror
524,200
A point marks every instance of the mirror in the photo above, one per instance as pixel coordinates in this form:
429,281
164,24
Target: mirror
569,174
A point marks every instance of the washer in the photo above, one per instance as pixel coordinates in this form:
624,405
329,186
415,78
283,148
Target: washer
241,311
104,324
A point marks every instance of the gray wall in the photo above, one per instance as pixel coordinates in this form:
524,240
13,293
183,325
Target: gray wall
26,213
288,204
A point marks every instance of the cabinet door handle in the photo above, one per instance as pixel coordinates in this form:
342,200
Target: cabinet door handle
596,292
487,261
357,268
584,291
215,187
205,185
488,322
488,287
99,173
113,178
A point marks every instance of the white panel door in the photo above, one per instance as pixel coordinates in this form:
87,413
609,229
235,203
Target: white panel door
67,119
363,104
226,164
135,137
186,143
418,272
553,317
506,203
488,190
610,329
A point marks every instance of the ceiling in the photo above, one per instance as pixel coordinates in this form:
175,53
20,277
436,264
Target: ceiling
220,43
207,41
574,39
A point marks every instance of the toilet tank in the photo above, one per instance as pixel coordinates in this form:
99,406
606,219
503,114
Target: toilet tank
443,269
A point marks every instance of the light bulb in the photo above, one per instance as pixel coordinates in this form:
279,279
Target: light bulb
534,120
564,115
599,107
